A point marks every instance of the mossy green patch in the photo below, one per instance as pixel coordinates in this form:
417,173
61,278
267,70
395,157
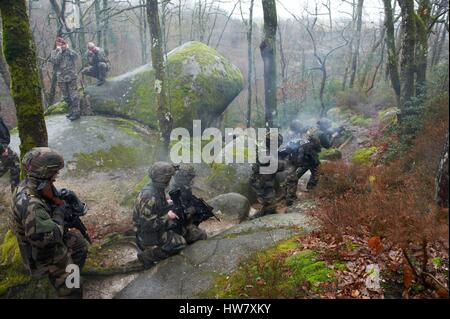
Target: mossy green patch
57,108
117,156
360,120
278,272
389,115
330,154
12,271
364,156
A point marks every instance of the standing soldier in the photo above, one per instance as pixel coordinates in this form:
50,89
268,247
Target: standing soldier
264,184
154,219
99,63
47,248
63,59
9,161
307,159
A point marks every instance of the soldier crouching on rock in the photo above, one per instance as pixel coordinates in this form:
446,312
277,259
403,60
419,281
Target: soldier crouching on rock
38,221
154,219
99,64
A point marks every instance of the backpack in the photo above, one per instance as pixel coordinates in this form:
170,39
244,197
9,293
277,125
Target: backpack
5,138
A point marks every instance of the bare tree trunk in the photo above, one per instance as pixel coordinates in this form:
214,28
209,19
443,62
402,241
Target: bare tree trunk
407,64
81,37
283,68
438,45
106,26
142,37
392,62
97,21
180,30
358,42
423,21
441,195
226,24
20,54
250,64
164,117
268,54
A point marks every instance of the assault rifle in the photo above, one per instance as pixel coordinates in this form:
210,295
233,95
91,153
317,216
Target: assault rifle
178,208
291,148
76,209
203,211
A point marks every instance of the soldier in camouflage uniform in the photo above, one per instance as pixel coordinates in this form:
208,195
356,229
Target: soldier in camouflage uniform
264,184
99,63
63,59
307,159
153,219
38,222
9,161
183,180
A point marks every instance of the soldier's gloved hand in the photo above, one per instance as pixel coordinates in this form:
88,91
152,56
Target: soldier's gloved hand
171,215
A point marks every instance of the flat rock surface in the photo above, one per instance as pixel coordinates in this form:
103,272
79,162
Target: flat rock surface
192,272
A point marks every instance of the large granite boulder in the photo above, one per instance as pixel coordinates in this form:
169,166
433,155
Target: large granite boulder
232,206
202,83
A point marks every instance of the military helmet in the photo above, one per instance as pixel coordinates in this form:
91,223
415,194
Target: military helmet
186,171
324,123
42,162
296,126
162,172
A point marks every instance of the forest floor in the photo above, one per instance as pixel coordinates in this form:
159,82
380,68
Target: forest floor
370,268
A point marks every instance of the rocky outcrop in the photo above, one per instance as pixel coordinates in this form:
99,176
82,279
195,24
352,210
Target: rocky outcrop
202,83
192,273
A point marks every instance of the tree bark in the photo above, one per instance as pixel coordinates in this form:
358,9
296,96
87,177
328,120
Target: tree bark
106,26
392,61
358,42
407,63
164,117
442,178
268,54
97,21
250,64
423,21
20,54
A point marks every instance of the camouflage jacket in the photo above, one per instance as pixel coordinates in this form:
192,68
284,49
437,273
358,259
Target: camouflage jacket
95,58
150,214
64,64
308,155
39,234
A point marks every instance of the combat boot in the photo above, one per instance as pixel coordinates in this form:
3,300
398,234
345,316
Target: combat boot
74,116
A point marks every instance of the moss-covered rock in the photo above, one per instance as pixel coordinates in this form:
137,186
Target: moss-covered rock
330,154
57,108
99,143
201,84
389,115
364,156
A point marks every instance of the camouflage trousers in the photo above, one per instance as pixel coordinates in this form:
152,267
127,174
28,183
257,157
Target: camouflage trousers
314,174
55,268
264,187
288,185
10,163
170,243
98,72
69,91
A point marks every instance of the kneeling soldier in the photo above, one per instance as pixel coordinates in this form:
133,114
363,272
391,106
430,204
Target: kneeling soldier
46,246
154,219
